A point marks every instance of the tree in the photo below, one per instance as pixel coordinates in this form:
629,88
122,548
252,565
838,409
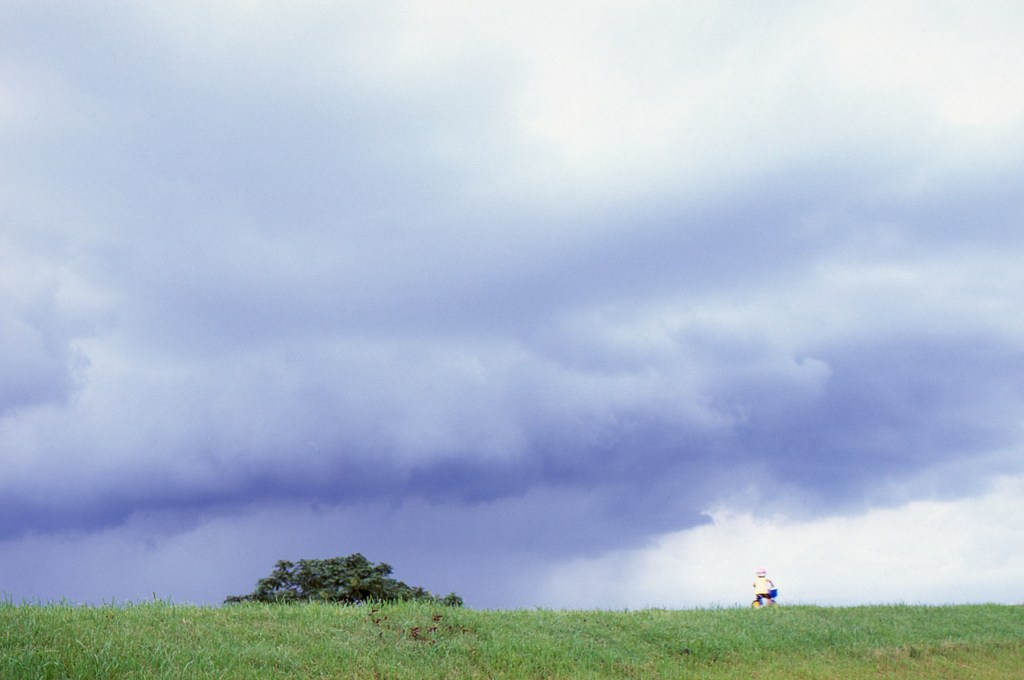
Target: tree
353,579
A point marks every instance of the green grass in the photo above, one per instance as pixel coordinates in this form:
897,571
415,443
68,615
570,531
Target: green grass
414,640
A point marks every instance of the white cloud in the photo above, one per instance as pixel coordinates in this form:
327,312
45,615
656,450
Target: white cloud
586,98
929,552
962,63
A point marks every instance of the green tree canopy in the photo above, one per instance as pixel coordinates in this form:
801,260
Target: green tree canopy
351,579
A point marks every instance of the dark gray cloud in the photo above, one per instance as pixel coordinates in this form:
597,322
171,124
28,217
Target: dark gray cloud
492,299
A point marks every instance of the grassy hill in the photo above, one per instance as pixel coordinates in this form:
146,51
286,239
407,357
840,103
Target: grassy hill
159,640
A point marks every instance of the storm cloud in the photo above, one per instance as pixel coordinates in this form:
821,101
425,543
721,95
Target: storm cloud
486,292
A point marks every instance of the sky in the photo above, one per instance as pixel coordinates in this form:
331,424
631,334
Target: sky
550,304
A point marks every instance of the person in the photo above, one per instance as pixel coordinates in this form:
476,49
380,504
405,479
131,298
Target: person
764,589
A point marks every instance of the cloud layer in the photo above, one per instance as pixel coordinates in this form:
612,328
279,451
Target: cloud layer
504,287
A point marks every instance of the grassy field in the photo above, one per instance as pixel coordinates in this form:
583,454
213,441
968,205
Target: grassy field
159,640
